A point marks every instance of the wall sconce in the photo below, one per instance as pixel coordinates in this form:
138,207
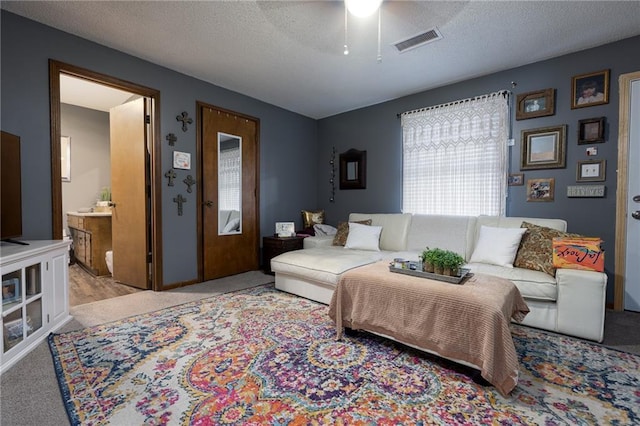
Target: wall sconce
332,180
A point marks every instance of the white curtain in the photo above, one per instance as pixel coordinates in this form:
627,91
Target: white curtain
455,157
229,179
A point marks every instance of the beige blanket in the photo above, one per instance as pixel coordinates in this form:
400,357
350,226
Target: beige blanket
467,322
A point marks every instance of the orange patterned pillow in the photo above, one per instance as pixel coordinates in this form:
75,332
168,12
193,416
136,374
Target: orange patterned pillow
340,239
536,248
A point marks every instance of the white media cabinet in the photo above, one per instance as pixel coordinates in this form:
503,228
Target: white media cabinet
35,295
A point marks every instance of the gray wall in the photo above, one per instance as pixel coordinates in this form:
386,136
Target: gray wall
376,129
90,157
290,179
287,140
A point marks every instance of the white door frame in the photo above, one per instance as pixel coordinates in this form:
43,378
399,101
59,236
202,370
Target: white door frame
622,192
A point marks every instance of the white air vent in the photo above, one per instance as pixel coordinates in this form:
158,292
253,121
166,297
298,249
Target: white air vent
418,40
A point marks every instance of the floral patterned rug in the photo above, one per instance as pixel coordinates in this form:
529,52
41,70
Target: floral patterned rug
260,356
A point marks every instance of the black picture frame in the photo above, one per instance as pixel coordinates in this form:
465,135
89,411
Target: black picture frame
591,130
353,169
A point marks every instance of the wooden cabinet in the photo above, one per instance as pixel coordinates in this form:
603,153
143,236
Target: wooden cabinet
35,295
91,234
273,246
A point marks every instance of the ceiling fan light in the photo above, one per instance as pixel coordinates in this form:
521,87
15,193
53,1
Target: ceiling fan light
362,8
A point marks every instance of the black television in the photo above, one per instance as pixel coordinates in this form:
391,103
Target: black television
10,188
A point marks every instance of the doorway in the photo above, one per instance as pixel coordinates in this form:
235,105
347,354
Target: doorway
228,219
627,248
148,244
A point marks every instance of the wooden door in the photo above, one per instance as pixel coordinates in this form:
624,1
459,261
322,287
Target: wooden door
225,254
129,171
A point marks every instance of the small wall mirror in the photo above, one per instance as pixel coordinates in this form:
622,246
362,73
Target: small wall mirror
229,184
65,158
353,169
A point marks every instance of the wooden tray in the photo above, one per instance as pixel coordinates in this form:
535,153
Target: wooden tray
464,273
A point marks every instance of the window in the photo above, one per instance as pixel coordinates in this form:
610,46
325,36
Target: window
455,157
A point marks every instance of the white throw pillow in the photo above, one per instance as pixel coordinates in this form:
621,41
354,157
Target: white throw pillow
323,229
497,246
363,237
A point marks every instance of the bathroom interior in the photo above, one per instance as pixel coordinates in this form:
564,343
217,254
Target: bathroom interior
86,187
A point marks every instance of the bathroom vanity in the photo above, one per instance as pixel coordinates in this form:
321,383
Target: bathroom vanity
91,234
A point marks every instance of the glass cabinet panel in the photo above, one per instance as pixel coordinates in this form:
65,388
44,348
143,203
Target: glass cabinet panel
12,330
33,280
21,304
34,316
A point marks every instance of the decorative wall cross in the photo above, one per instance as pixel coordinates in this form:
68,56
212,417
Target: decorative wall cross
179,200
189,181
184,117
172,139
171,175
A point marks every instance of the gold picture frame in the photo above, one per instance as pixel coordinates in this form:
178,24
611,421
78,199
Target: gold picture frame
590,89
541,189
543,148
539,103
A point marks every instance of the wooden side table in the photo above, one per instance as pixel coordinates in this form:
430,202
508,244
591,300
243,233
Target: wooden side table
273,246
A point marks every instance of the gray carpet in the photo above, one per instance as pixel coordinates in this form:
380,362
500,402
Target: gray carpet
29,391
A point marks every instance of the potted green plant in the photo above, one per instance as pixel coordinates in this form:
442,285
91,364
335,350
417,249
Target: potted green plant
104,204
451,263
431,259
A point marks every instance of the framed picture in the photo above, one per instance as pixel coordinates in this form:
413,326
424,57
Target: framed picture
285,229
590,89
353,169
516,179
535,104
591,130
181,160
540,189
543,148
591,171
65,158
10,291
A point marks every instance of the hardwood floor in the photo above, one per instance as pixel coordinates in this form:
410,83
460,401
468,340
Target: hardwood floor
85,288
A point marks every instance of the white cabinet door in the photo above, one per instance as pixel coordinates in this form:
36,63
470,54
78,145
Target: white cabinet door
59,308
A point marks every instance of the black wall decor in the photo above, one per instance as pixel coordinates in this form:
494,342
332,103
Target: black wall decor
184,117
353,169
170,175
189,181
179,200
171,138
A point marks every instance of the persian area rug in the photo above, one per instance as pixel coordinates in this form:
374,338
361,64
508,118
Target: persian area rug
260,356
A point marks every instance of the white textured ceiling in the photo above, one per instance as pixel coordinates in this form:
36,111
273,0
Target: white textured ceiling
290,54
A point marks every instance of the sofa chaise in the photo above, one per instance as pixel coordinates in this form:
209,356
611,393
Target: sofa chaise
570,302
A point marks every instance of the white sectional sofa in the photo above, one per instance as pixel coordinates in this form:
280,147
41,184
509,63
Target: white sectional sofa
572,302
